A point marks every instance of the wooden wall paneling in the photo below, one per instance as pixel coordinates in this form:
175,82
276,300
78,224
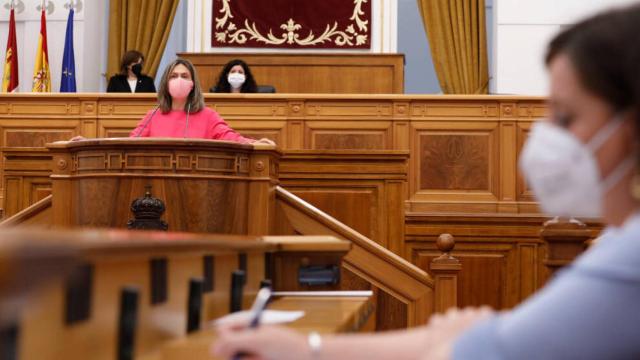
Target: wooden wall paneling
27,122
35,189
455,108
508,168
364,125
89,113
401,127
528,261
239,106
111,128
364,190
311,72
255,119
484,275
275,130
13,200
347,135
359,205
452,162
295,126
118,115
35,133
396,194
328,121
31,169
501,255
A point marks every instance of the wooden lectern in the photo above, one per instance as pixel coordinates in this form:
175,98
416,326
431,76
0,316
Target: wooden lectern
204,185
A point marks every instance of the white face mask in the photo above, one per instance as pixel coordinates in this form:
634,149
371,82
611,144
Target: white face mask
563,172
236,80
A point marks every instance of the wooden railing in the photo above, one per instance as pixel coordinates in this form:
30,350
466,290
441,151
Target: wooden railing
405,294
565,240
37,214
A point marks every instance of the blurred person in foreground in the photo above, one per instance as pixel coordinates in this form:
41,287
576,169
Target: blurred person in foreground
583,161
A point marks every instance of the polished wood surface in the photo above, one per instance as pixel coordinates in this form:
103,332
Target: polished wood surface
121,259
326,315
95,182
311,72
463,149
362,189
502,256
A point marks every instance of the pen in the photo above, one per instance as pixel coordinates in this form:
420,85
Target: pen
259,304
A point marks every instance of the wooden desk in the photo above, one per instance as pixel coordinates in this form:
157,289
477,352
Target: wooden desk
332,73
326,315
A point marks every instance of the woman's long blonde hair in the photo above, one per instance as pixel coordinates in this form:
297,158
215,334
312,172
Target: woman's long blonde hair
195,100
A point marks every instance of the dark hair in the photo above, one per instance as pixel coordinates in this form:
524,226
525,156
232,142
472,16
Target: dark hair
129,58
223,85
195,100
605,51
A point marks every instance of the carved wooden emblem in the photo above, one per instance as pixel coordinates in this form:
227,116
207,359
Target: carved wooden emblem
147,211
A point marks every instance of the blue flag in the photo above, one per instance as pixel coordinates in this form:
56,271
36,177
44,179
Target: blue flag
68,81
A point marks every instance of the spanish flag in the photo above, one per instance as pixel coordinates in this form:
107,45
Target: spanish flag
41,73
10,78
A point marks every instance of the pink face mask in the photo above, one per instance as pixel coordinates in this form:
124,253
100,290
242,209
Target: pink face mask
180,88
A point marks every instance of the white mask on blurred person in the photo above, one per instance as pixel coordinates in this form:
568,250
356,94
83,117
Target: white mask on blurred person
563,171
236,80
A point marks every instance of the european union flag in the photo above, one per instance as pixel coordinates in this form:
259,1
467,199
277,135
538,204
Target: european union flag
68,82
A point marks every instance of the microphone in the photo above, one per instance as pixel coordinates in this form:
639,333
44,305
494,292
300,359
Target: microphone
186,126
148,121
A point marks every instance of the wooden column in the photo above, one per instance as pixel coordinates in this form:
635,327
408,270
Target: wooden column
63,206
445,269
565,239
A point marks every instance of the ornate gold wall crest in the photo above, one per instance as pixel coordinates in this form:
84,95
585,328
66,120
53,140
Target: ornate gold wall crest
292,33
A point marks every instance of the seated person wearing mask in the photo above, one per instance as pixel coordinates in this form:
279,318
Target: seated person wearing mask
584,161
131,79
235,77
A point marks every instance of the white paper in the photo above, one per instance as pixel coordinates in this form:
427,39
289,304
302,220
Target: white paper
268,317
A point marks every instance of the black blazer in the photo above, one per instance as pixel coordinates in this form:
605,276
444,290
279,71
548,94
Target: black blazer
119,83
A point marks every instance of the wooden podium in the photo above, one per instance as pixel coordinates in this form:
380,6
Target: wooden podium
204,185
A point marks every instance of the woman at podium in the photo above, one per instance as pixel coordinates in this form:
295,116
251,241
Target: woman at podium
181,111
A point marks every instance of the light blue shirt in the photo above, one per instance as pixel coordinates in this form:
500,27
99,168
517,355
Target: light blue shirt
591,310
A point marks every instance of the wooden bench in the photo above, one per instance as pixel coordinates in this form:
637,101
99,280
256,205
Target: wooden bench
131,291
